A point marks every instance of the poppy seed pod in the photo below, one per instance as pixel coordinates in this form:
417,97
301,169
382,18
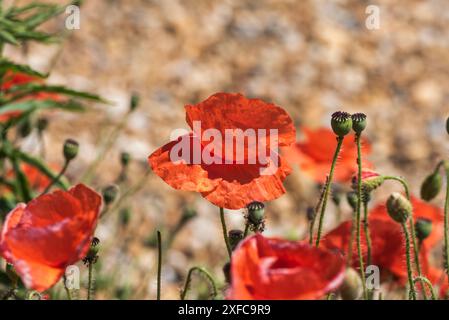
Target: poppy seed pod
431,186
70,149
135,99
110,193
351,288
398,207
358,122
256,212
235,236
125,157
423,228
341,123
352,200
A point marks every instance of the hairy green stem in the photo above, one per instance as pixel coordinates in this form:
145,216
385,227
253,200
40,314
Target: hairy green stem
359,205
225,233
315,212
90,283
206,274
351,240
367,233
56,179
429,285
326,190
409,262
446,222
159,265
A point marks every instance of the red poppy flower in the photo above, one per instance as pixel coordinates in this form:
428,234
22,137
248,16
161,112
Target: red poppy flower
227,182
12,79
50,233
314,155
421,210
263,268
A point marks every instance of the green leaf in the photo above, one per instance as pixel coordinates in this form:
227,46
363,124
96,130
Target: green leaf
31,88
7,65
7,37
32,105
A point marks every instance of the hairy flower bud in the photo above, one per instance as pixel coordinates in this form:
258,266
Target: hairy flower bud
235,236
358,122
351,289
431,186
371,180
110,193
341,123
70,149
423,228
352,200
398,207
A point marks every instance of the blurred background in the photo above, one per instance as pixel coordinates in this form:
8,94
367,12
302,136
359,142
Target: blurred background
310,57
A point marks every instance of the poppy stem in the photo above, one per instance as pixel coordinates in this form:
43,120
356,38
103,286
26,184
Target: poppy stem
159,265
409,263
22,181
245,233
367,233
206,275
315,212
327,188
225,233
90,289
359,205
429,285
56,179
446,222
412,231
351,241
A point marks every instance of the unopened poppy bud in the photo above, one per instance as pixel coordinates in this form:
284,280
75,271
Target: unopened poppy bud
398,207
125,157
227,272
92,255
351,288
310,213
125,216
70,149
25,128
42,124
134,103
341,123
110,193
235,236
358,122
256,212
431,186
371,180
352,200
423,228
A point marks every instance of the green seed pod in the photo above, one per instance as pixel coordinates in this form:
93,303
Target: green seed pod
134,103
235,236
358,122
256,212
399,208
423,228
352,200
351,288
125,157
341,123
70,149
431,186
110,193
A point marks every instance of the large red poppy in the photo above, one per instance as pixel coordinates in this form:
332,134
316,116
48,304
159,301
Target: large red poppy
231,184
13,79
49,233
314,155
263,268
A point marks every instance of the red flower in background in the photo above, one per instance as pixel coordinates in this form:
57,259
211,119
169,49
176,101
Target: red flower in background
421,210
387,240
263,268
314,155
229,185
50,233
13,79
